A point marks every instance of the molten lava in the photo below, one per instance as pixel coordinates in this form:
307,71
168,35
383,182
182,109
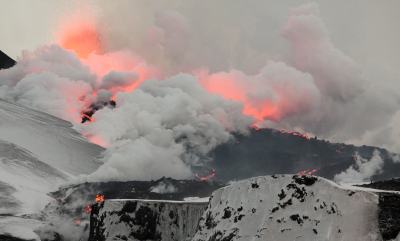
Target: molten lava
295,133
307,172
99,198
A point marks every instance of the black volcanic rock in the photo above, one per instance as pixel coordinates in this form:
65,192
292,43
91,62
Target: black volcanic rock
145,220
178,190
389,215
5,61
5,237
389,185
269,151
389,207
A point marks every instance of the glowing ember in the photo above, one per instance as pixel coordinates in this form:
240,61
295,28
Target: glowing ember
87,117
295,133
208,177
100,198
88,209
307,172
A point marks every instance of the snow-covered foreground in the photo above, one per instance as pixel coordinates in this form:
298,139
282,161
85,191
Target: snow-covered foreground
278,207
285,207
38,152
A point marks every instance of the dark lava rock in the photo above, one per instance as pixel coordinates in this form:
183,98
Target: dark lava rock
390,185
269,151
6,237
389,215
145,220
5,63
305,180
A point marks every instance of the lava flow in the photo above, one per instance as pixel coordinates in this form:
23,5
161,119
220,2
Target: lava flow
208,177
100,198
307,172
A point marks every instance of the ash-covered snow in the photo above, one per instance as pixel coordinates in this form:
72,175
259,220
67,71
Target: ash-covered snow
287,207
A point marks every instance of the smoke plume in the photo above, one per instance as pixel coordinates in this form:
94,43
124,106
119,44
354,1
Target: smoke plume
363,169
163,87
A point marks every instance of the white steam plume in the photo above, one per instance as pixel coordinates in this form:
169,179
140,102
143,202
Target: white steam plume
362,170
162,127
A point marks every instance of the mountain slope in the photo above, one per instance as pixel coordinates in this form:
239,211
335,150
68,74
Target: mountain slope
50,139
38,152
270,151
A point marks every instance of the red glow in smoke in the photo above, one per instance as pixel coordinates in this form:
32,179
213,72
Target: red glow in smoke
88,209
79,34
121,61
97,140
208,177
224,85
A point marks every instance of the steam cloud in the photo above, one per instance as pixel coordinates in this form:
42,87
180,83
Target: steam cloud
363,169
165,121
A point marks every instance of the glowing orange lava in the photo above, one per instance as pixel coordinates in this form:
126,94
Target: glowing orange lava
307,172
295,133
99,198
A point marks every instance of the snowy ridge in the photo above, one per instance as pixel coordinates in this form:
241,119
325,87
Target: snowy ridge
285,207
278,207
50,139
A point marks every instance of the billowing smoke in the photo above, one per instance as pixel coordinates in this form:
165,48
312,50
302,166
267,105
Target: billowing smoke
362,170
163,90
277,92
161,127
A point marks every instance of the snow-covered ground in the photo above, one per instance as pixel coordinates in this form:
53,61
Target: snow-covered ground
285,207
38,152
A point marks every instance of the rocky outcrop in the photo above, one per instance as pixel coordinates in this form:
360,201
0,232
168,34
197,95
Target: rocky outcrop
5,61
145,220
287,207
277,207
